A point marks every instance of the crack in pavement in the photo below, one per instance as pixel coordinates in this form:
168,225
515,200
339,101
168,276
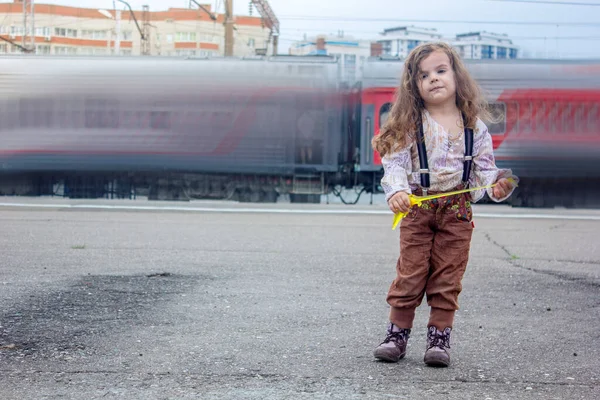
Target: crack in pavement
514,261
142,375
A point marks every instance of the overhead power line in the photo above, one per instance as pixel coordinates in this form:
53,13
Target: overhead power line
560,3
436,21
356,35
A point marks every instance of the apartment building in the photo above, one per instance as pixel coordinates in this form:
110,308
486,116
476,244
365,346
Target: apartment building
485,45
62,30
401,40
350,51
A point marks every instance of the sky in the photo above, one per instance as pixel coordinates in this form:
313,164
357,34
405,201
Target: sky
566,29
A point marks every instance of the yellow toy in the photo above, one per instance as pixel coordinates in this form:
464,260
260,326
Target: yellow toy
420,199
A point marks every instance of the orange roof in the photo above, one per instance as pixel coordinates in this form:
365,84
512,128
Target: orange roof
176,14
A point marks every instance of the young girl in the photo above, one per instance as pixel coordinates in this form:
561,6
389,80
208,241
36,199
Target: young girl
434,142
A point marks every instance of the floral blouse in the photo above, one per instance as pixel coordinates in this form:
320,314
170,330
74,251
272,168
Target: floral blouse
445,156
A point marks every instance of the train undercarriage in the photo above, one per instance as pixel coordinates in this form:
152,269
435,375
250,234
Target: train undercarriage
568,192
301,188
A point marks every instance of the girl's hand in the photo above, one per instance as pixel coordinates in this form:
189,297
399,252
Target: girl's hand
502,189
399,202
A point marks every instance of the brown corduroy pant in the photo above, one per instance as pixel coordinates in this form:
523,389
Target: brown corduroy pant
435,240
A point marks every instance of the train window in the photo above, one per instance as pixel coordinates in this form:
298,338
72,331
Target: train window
8,113
578,117
497,124
593,119
369,132
525,118
553,122
222,119
35,112
160,120
541,117
4,123
127,120
61,117
384,113
101,113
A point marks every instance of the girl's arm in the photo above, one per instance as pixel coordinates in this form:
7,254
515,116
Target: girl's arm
485,172
396,168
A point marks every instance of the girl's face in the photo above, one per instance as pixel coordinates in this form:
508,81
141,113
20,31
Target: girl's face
436,79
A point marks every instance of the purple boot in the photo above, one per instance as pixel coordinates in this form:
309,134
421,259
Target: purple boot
393,348
438,347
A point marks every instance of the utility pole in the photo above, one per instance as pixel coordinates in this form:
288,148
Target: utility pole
145,30
117,32
28,24
228,28
144,33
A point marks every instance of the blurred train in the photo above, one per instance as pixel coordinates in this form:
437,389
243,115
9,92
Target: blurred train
255,129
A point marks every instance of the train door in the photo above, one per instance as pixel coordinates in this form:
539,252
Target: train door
368,130
376,107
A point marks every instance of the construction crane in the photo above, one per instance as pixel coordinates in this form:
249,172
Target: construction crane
269,20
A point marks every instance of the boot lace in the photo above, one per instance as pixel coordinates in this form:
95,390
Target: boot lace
399,338
438,339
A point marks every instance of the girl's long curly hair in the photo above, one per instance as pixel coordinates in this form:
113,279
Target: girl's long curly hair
402,123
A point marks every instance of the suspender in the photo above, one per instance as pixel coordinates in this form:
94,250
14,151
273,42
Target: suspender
468,154
424,167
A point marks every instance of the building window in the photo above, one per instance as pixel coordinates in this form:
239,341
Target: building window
412,44
486,52
501,52
250,42
186,37
386,47
513,53
64,32
17,30
42,49
63,50
43,31
185,53
97,35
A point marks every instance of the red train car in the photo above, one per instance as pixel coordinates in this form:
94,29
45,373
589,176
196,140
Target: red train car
546,126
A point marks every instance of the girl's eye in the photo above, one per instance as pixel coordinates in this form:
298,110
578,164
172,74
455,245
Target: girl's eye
441,71
423,76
